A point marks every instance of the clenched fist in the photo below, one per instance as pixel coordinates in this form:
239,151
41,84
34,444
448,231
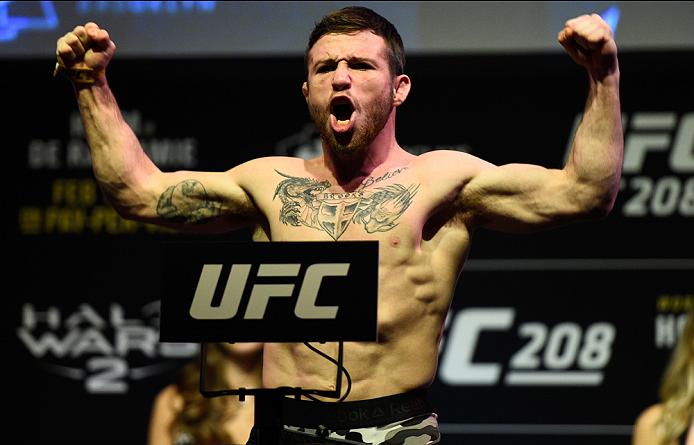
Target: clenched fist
588,40
86,50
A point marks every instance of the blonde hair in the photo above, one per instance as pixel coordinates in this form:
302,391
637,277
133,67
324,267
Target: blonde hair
677,388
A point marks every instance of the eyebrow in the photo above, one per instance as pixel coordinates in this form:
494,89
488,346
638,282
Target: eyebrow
332,60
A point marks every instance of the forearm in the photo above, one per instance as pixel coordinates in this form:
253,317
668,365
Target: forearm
120,165
595,160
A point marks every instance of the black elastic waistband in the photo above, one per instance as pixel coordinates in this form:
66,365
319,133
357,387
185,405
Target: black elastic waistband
356,414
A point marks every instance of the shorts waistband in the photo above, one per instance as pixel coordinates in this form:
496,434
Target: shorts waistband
355,414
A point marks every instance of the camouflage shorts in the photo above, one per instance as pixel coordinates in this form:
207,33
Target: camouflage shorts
419,430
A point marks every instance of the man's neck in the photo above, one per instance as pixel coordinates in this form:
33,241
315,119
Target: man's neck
348,168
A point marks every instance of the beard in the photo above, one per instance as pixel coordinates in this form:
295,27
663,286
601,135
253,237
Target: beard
350,144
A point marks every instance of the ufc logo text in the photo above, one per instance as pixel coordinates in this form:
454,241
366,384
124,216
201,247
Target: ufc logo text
201,307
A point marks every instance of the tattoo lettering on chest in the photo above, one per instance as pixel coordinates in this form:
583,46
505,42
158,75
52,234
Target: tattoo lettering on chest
305,202
375,180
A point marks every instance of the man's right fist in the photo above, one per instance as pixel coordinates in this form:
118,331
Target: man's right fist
87,48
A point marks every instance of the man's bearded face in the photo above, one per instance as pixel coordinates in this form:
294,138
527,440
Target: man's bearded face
349,90
370,118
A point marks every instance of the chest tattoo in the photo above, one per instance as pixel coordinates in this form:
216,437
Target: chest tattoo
305,202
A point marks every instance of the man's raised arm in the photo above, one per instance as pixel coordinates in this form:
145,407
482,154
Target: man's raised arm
135,187
521,197
597,152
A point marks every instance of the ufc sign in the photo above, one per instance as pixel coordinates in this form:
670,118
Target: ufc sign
306,308
271,292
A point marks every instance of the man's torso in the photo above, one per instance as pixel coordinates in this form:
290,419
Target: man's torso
422,245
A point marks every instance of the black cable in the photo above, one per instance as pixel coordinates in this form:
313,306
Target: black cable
331,360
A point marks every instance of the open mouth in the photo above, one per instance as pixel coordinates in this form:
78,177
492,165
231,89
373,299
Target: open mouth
342,113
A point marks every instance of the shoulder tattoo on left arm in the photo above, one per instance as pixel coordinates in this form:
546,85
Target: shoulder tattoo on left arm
187,202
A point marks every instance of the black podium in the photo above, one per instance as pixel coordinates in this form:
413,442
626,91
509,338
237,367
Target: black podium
270,292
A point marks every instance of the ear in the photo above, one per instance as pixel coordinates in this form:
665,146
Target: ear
401,88
304,90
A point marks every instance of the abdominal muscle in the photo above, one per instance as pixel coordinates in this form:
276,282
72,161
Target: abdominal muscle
413,301
418,270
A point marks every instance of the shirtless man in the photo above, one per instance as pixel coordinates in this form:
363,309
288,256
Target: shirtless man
422,210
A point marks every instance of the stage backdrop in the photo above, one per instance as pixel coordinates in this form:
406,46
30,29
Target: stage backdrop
554,337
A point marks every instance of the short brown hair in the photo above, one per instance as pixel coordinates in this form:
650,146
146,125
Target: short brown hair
357,18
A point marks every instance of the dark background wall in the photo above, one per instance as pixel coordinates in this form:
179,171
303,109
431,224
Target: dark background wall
555,337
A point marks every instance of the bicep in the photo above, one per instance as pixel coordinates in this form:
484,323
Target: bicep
197,201
521,197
